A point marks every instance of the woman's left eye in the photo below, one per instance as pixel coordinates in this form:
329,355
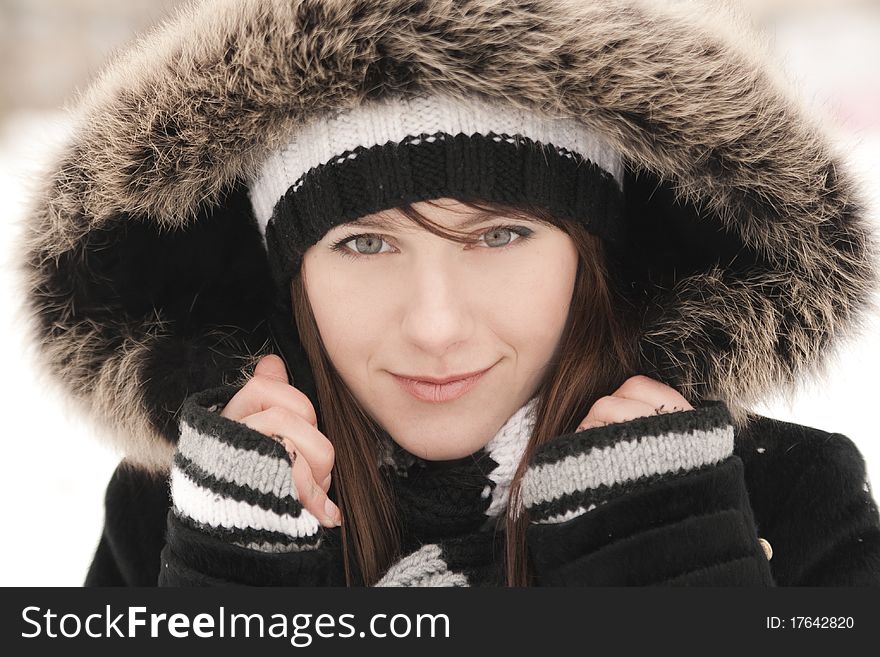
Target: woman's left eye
500,235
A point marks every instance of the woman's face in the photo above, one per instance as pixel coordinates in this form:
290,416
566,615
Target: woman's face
396,299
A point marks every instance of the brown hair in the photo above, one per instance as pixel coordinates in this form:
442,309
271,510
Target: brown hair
596,353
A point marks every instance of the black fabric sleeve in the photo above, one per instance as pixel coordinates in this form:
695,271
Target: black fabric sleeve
135,506
235,517
658,500
823,522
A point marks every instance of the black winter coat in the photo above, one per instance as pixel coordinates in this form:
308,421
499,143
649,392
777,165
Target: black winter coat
748,256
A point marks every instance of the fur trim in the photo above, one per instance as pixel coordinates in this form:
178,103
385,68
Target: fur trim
131,312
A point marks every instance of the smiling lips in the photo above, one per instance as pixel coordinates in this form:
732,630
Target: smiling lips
439,392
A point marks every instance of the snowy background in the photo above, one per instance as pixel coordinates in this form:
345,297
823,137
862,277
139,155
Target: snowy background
55,471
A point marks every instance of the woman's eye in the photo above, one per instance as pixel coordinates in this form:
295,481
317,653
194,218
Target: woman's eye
500,236
363,245
368,244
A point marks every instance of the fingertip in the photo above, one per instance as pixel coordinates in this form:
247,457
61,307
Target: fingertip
332,514
271,366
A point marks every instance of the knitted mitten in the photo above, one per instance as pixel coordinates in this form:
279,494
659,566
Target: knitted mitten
573,474
654,500
234,483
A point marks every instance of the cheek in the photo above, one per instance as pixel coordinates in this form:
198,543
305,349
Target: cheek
531,302
348,314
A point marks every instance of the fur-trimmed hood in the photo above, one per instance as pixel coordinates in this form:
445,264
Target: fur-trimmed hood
146,278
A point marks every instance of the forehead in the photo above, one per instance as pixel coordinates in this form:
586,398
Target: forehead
446,212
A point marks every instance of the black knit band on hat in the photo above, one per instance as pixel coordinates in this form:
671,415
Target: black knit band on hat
407,149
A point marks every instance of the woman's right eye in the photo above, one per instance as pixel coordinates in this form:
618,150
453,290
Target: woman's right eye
365,245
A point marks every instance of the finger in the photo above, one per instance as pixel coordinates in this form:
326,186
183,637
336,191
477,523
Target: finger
610,410
262,393
589,424
273,367
313,498
655,393
313,445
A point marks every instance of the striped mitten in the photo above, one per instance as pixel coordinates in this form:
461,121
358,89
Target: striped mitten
233,483
656,500
573,474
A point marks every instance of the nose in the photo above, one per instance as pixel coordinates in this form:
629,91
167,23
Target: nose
436,313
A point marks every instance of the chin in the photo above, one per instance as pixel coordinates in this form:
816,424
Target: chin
429,437
450,456
440,452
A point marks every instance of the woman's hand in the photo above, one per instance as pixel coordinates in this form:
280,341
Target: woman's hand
639,396
269,404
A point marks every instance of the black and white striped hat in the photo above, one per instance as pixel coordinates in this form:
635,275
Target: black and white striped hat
400,150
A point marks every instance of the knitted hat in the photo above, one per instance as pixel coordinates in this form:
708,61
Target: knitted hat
402,150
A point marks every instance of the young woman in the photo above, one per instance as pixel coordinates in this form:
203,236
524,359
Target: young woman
456,294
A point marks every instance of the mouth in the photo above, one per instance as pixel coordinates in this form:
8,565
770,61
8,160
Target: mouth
437,393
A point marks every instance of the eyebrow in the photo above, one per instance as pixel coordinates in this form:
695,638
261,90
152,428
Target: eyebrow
380,222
